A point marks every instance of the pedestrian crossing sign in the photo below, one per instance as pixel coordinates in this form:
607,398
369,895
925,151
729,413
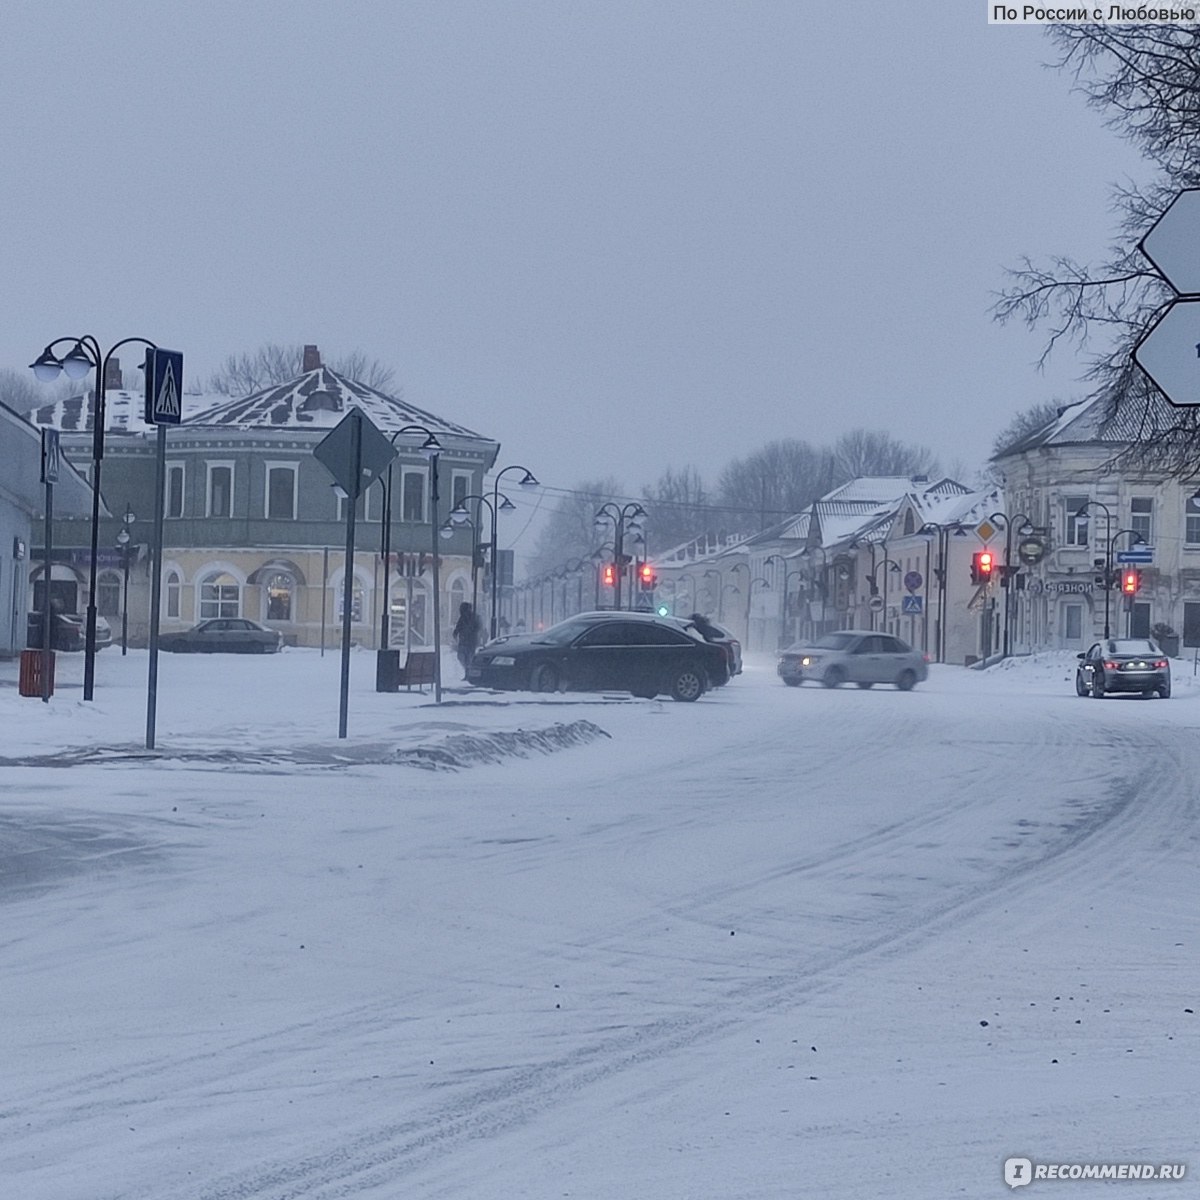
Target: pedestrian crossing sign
164,387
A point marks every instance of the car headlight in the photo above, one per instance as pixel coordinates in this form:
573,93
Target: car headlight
807,661
504,660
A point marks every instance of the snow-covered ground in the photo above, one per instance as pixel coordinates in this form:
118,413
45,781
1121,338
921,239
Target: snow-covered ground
777,943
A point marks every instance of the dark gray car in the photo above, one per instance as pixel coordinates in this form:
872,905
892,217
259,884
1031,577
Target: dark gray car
1123,665
228,635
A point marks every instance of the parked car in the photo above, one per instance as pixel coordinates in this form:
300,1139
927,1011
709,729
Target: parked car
720,636
228,635
68,631
640,653
854,656
1123,665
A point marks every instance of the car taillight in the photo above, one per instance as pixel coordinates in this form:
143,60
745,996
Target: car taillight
1110,666
1160,663
926,658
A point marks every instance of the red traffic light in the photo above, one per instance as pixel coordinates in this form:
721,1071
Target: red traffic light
985,562
1130,582
647,575
608,575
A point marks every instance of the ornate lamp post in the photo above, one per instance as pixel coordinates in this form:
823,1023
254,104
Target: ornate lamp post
1082,514
85,355
624,518
873,583
928,531
526,481
823,586
123,544
430,449
459,515
1025,529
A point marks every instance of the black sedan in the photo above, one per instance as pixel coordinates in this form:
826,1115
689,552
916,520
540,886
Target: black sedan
1123,665
228,635
604,651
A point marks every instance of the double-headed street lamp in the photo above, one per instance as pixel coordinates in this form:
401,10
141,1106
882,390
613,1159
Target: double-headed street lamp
85,355
123,544
460,515
929,531
526,481
1081,514
1109,574
823,586
1008,575
430,449
873,582
624,519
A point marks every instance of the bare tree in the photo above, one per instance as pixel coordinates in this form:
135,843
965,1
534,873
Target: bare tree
22,393
570,530
1145,80
273,363
865,452
677,508
782,478
1028,421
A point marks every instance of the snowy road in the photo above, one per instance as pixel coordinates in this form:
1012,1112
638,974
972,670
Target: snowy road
777,943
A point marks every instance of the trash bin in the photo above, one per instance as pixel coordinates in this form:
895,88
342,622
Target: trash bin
387,670
30,678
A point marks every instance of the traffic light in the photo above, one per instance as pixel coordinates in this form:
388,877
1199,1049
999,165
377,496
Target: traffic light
608,575
982,564
647,577
1130,582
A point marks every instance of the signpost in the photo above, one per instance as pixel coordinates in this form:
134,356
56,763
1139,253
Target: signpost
355,453
1169,351
164,406
913,605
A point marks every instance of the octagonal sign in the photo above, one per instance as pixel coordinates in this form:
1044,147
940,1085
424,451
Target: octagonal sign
1173,243
1169,353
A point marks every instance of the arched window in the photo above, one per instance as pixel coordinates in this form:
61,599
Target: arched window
174,588
220,596
460,593
108,593
909,522
280,587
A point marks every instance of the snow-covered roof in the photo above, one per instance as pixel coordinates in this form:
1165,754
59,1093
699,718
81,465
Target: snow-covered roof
319,399
123,411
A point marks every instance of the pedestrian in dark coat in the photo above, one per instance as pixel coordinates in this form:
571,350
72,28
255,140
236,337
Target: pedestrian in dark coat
468,629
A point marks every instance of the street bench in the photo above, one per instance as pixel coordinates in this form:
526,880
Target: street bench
417,670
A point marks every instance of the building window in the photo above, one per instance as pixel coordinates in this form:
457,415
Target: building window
1075,532
412,493
173,589
280,587
173,500
281,492
460,486
220,596
357,607
108,594
1072,622
1141,517
1191,531
220,490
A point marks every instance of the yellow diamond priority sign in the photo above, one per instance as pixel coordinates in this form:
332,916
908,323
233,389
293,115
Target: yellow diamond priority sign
985,529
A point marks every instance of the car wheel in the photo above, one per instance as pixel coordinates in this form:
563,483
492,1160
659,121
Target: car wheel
1080,687
834,677
1097,688
686,685
544,678
866,683
793,682
1165,690
906,681
644,694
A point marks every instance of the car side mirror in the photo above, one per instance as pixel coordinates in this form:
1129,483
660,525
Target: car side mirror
1081,655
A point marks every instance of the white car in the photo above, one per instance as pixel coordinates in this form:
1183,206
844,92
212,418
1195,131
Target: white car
859,656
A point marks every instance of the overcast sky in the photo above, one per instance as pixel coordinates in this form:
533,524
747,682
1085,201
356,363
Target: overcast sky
616,235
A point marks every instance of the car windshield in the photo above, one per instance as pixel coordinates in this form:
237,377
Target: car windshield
1131,646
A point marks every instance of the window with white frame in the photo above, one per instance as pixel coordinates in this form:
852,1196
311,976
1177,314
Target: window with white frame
460,486
220,596
414,482
1075,528
173,589
1191,523
108,594
357,601
173,497
281,492
1141,517
280,588
219,500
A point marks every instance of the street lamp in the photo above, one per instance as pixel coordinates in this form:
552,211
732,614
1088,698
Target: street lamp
1081,514
873,583
823,586
459,515
123,544
526,481
624,519
929,531
430,449
1006,579
85,355
708,587
750,600
1138,540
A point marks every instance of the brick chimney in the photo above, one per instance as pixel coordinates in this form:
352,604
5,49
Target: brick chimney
312,358
112,376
